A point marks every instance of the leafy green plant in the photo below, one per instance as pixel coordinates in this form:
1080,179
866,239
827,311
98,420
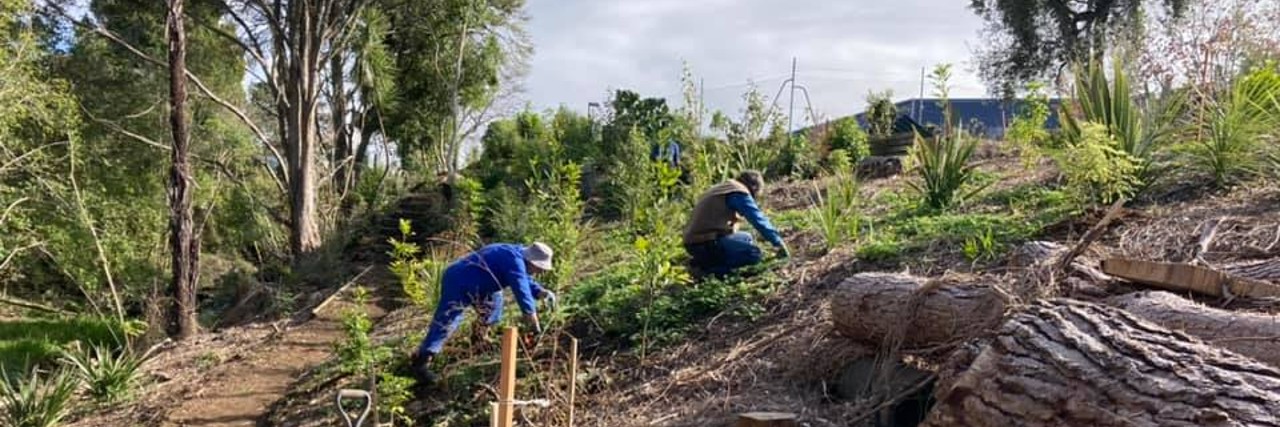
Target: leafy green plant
848,138
37,399
357,353
881,113
1096,167
943,161
836,214
108,376
1027,131
1232,133
981,247
419,276
1140,131
394,392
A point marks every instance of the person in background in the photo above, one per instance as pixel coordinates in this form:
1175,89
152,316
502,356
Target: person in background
669,154
477,280
712,239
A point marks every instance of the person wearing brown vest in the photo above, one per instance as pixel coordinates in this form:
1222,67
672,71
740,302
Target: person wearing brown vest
712,239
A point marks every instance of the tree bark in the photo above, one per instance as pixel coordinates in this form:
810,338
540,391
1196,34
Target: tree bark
1250,334
183,241
877,308
1068,363
301,93
341,127
1267,271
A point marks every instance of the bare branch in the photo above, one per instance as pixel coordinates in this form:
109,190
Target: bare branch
240,114
222,167
5,216
19,158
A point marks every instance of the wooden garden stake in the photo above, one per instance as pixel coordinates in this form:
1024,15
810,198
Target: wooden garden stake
573,374
507,383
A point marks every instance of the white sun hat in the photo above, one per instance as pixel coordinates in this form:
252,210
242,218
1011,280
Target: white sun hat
538,254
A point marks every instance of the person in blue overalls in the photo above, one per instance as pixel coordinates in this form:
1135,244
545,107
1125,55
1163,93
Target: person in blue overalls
477,280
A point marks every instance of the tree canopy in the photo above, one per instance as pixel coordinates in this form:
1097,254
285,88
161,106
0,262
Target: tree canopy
1032,39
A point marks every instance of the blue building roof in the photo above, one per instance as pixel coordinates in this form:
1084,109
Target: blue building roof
983,116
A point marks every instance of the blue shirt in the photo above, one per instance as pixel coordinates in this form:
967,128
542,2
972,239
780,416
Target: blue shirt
492,268
670,155
744,205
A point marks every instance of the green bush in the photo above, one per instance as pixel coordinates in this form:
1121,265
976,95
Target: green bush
1027,131
36,399
108,376
836,215
1096,167
881,113
357,354
420,277
848,137
1233,132
943,161
1139,131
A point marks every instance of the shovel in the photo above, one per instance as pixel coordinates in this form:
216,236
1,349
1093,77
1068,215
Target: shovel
351,417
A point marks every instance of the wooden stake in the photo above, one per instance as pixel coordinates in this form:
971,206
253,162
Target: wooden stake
507,383
573,374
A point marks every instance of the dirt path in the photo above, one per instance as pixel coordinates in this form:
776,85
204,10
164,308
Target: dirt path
232,377
238,393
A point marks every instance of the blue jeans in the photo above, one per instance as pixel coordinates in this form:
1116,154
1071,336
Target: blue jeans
453,302
725,254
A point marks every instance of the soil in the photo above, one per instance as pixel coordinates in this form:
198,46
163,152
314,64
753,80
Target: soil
232,377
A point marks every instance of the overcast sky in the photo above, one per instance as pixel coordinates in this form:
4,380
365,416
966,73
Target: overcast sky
584,48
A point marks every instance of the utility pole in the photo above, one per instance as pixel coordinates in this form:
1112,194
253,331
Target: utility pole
702,104
920,99
791,107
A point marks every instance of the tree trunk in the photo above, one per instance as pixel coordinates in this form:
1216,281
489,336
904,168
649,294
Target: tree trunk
877,308
341,128
183,241
1250,334
874,308
301,92
1267,271
1068,363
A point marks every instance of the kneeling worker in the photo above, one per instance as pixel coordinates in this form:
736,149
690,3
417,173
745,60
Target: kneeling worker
476,280
712,238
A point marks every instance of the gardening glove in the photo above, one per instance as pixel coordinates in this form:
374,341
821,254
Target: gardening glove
553,302
531,321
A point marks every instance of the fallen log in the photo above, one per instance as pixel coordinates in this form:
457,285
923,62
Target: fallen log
1188,278
1266,270
1250,334
1069,363
879,308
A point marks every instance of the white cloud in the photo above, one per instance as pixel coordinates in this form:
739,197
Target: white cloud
585,47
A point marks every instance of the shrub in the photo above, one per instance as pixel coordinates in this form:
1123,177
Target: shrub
1027,130
1096,167
836,214
1232,132
1140,131
848,138
108,376
942,161
356,352
394,392
35,400
881,113
419,277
